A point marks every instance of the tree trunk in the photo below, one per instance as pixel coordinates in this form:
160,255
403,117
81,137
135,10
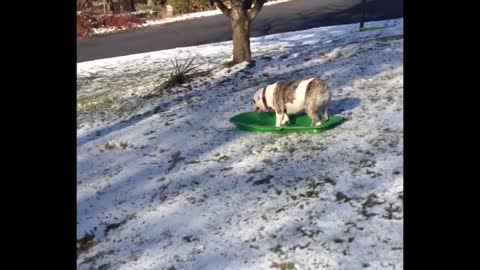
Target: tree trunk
127,5
241,14
107,6
84,4
241,34
151,3
364,8
130,5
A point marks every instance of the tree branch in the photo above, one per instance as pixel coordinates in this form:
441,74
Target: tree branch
258,4
220,5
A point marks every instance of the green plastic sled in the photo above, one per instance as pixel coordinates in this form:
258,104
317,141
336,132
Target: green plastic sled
265,122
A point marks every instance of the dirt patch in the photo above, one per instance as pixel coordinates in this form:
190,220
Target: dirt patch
370,202
175,158
283,265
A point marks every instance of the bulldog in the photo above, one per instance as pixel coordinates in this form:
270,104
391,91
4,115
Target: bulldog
292,97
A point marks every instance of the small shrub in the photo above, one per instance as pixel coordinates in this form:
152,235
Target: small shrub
183,71
188,6
152,9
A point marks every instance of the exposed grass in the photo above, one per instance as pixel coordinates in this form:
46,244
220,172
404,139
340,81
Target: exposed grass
85,243
284,266
363,29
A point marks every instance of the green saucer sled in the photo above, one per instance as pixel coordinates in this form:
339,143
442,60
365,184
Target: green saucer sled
265,122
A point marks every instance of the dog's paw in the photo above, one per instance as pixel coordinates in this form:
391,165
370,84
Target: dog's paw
318,124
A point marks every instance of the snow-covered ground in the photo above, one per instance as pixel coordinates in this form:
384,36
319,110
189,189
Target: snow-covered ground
164,181
184,17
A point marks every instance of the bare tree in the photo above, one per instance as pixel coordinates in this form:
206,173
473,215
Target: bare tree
107,6
241,14
83,4
364,7
127,5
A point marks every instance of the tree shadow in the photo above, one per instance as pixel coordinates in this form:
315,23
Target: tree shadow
338,106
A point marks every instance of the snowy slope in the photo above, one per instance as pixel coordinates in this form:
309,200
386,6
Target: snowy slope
164,181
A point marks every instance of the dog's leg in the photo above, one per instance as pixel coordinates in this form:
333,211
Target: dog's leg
325,105
285,119
279,118
325,114
313,115
324,110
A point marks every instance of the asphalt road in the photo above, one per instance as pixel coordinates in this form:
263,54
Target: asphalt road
283,17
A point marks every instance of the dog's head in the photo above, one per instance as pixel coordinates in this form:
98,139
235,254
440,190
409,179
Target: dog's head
257,102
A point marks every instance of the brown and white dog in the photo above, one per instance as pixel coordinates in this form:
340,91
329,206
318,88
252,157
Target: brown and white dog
292,97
